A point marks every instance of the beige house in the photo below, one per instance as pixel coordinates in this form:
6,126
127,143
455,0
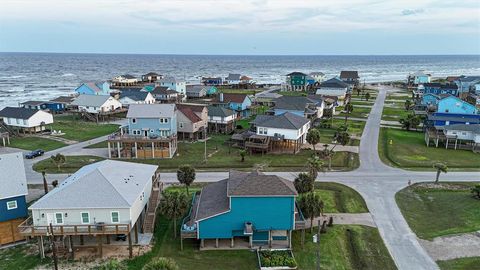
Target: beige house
192,121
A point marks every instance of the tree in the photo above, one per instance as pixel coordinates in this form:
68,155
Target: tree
359,90
186,175
410,121
243,153
55,183
303,183
440,167
161,263
314,165
342,137
313,137
174,205
408,104
328,154
59,160
476,191
367,96
348,110
311,206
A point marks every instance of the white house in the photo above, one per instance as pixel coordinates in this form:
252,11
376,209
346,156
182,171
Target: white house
334,88
233,79
287,126
317,76
178,85
464,132
196,91
29,120
124,80
221,119
96,104
136,97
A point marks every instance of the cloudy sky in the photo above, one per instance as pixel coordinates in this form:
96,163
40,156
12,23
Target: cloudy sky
241,26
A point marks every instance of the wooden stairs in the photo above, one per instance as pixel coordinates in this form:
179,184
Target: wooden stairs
89,116
7,128
149,221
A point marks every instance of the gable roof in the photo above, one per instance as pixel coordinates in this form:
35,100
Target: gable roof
151,74
162,90
189,113
33,103
17,112
334,83
284,121
237,98
104,184
475,128
151,110
197,88
13,181
94,86
134,95
219,111
296,73
170,79
90,100
349,74
63,99
233,77
297,103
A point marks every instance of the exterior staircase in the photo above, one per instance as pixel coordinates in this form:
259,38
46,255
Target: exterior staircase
89,116
8,129
149,221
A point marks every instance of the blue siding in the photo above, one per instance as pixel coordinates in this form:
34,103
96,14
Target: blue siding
20,211
153,124
455,105
243,108
440,91
282,111
467,119
84,89
430,99
55,107
265,213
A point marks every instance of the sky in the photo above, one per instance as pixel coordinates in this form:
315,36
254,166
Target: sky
278,27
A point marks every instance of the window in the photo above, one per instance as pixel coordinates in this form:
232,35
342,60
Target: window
58,218
85,217
115,217
136,132
180,124
134,120
18,121
151,130
11,205
24,122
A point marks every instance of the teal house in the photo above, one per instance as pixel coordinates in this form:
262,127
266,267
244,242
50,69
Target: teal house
94,88
297,81
211,90
245,210
455,105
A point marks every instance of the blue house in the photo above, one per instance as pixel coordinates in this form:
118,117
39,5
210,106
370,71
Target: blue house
455,105
237,102
440,89
94,88
445,119
211,90
302,106
151,132
430,99
212,80
247,207
13,189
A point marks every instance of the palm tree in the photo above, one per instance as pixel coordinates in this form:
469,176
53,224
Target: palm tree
408,104
328,153
59,160
410,121
174,205
313,137
440,167
348,110
243,153
186,175
314,165
476,191
311,206
303,183
367,96
161,263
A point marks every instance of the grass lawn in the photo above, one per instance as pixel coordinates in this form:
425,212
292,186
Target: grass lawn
240,91
339,198
394,114
363,102
33,143
72,165
293,93
79,130
408,150
355,128
102,144
471,263
344,247
435,211
358,112
21,257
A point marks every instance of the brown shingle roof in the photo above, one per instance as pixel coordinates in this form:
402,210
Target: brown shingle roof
189,113
237,98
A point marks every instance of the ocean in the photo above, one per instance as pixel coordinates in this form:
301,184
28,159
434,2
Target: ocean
42,76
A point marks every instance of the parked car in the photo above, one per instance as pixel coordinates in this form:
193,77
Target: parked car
35,153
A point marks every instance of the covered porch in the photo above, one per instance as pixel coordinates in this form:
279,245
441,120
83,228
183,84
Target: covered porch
141,147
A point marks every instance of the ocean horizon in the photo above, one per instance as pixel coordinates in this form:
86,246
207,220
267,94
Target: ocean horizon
42,76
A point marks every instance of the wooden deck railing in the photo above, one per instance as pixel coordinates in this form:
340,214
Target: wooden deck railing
27,228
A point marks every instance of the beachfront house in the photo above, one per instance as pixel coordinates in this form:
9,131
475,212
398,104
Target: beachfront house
96,104
101,200
179,85
128,97
26,120
163,94
13,205
192,121
212,81
452,104
319,77
239,103
350,77
196,91
34,105
419,77
266,98
51,106
296,81
220,119
309,108
66,101
125,80
151,77
233,79
151,132
440,89
94,88
468,84
430,100
335,87
246,210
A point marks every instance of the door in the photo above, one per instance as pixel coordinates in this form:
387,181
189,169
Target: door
50,219
145,133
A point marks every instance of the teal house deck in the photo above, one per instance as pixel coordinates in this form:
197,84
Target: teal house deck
246,210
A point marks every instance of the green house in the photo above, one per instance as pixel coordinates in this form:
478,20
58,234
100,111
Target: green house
297,81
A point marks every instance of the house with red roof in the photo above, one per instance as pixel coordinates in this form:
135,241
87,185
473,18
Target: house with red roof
192,121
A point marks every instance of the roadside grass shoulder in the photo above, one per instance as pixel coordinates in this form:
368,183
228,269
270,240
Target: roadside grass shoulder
72,164
470,263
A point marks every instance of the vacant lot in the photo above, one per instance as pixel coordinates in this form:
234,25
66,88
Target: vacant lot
339,198
79,130
72,164
33,143
437,210
407,149
358,112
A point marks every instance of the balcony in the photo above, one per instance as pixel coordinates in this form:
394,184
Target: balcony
117,137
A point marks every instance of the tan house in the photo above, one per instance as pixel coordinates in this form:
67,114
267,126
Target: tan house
192,121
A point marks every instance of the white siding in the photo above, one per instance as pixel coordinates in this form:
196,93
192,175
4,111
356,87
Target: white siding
74,218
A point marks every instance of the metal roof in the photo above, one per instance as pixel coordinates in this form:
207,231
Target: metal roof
17,112
151,110
90,100
13,181
284,121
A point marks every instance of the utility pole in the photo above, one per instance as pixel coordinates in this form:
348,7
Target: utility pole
318,245
205,149
54,248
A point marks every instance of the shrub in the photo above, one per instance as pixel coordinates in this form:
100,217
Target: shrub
161,263
112,264
277,258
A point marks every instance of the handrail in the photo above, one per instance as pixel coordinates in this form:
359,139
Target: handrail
188,216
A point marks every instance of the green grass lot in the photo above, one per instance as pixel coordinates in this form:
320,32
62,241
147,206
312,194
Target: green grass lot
293,93
240,91
437,211
245,123
408,150
404,96
339,198
358,112
80,130
394,114
72,165
472,263
102,144
363,102
33,143
344,247
355,128
21,257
